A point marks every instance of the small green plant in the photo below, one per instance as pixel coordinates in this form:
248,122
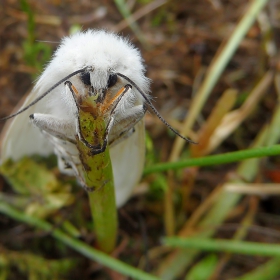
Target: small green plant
17,264
36,54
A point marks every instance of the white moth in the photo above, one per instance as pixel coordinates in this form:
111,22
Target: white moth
95,62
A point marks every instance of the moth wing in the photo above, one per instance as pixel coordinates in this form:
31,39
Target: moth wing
128,159
21,138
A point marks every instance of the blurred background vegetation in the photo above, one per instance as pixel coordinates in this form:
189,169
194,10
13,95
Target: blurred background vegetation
183,43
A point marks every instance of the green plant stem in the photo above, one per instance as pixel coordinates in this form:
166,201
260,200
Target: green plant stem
77,245
220,245
215,159
103,210
98,175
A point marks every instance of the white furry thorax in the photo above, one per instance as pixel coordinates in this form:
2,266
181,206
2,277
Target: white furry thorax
105,53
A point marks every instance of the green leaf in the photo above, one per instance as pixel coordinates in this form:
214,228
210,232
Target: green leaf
43,192
203,269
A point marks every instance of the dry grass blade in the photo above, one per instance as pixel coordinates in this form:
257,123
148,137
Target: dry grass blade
125,11
139,14
232,120
241,233
253,189
223,106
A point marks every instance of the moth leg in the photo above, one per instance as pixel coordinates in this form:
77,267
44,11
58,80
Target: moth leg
61,129
70,90
121,93
75,169
59,133
68,165
97,149
68,159
125,127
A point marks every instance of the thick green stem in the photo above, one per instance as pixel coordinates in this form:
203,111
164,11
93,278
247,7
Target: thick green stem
103,210
98,175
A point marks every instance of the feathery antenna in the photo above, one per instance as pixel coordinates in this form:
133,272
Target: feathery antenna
44,94
155,110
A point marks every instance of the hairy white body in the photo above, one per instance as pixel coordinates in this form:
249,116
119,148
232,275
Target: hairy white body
105,54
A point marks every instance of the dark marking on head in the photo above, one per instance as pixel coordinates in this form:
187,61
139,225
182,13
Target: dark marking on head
112,80
85,77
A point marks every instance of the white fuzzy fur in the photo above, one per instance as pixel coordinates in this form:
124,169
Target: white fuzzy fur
104,52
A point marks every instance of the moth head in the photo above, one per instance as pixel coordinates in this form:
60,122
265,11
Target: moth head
104,52
112,81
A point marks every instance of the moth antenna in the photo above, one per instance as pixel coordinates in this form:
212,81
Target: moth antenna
155,110
46,93
49,42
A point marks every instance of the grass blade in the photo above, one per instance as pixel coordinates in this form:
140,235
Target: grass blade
220,245
75,244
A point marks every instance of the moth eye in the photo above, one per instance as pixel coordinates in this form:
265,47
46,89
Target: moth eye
112,80
85,77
